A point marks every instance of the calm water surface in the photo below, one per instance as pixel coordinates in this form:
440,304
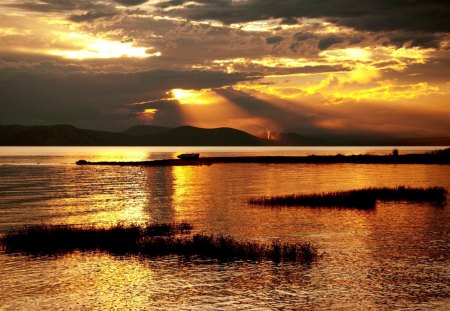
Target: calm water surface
395,257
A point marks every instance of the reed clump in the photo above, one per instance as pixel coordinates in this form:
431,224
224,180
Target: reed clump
226,248
48,239
167,229
154,240
358,199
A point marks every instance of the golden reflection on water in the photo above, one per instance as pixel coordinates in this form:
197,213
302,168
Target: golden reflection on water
118,154
209,196
395,253
98,195
193,186
75,281
158,190
111,274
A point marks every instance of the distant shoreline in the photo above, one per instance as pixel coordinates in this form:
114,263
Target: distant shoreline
435,157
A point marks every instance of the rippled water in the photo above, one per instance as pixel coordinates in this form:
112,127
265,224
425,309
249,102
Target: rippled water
397,256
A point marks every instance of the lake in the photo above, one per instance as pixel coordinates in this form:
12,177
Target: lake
394,257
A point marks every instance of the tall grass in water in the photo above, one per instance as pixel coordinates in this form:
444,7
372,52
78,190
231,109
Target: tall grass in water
359,199
226,248
47,239
155,240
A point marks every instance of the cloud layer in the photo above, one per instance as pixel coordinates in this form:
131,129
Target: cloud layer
311,66
381,15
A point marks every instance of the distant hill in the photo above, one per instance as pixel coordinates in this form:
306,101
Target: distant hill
60,135
142,130
7,131
55,135
194,136
141,135
68,135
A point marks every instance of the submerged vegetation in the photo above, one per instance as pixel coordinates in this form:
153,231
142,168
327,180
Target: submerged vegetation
48,239
359,199
153,240
226,248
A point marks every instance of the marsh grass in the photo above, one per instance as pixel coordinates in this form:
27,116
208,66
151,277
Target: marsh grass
226,248
359,199
167,229
47,239
154,240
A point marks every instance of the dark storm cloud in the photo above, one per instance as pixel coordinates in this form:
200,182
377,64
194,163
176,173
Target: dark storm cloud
168,112
380,15
60,5
101,12
328,41
131,2
274,39
415,39
324,41
54,96
299,38
170,3
91,9
302,36
355,40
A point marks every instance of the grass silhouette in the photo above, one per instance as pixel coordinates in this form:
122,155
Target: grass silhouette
358,199
64,238
226,248
153,240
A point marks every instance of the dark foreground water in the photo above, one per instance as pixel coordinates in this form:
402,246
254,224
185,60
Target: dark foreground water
395,257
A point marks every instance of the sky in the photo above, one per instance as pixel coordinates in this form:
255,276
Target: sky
309,66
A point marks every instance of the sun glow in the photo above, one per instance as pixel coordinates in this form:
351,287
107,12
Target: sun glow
348,54
91,47
191,96
148,114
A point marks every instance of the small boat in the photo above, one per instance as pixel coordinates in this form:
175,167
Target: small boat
189,156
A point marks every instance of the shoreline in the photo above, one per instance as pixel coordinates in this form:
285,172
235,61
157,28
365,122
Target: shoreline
440,157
